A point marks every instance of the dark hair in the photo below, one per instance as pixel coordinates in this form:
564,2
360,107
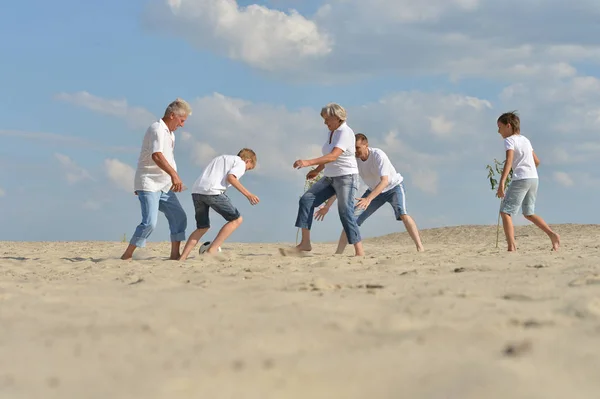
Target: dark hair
512,119
361,137
247,154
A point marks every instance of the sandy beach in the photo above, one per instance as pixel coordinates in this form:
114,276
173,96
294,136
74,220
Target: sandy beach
461,320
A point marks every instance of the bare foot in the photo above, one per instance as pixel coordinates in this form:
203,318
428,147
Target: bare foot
420,249
555,238
126,257
174,257
302,247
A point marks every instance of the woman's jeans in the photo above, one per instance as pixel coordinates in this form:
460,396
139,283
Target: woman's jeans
345,188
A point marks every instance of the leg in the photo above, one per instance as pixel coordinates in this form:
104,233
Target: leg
398,201
413,232
170,206
509,231
345,190
202,224
191,242
362,216
529,213
149,202
223,206
223,234
320,192
515,194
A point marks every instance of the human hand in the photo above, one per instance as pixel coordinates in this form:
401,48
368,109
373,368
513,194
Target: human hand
253,199
177,184
500,192
312,174
320,214
363,203
300,164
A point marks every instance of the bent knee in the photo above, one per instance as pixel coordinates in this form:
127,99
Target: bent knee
237,221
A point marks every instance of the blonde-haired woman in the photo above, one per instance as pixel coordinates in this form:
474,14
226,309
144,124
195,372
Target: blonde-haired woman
340,178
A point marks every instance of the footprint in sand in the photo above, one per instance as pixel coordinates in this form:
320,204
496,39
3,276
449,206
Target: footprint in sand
585,280
292,252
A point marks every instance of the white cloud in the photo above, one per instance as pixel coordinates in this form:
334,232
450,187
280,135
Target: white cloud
355,38
426,180
440,125
136,117
73,172
120,174
563,179
259,36
2,193
92,205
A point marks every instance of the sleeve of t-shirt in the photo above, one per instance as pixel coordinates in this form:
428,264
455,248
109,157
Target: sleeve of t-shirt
238,169
344,140
509,144
157,139
382,165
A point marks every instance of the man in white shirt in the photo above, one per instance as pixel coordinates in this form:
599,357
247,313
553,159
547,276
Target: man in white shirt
384,185
156,180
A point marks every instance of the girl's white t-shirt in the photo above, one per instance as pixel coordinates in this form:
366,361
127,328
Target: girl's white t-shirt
523,165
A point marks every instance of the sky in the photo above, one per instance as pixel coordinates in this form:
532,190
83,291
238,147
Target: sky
425,81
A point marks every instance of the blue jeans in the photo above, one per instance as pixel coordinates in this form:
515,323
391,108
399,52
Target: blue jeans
344,187
394,196
167,203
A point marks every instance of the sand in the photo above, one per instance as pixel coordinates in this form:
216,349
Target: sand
462,320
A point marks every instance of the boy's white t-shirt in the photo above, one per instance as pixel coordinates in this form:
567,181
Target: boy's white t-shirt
377,165
523,165
213,180
342,138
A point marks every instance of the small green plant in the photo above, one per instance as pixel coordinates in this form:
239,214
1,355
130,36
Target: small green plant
493,170
124,238
307,185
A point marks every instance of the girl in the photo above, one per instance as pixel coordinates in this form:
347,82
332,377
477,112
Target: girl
523,188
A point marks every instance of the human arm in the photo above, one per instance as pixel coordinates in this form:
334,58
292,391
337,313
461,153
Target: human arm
233,180
507,167
536,160
321,161
160,160
320,214
363,203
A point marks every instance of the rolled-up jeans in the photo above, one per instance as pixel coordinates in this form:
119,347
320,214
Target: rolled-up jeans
345,188
151,202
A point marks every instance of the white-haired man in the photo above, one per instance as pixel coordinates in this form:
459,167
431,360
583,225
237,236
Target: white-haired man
156,180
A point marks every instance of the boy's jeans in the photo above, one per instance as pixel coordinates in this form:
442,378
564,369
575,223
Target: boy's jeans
167,203
345,188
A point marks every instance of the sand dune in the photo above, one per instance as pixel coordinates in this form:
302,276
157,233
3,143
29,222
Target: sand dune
462,320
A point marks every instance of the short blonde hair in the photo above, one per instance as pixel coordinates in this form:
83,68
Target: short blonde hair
333,109
247,155
179,107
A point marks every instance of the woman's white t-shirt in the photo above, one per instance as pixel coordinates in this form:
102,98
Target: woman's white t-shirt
342,138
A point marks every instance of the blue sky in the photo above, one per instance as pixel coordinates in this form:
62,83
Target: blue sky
425,81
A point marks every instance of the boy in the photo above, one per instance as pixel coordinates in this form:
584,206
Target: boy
385,185
209,192
522,191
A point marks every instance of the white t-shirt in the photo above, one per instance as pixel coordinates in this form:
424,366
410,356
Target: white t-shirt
213,180
342,138
149,176
377,165
523,165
